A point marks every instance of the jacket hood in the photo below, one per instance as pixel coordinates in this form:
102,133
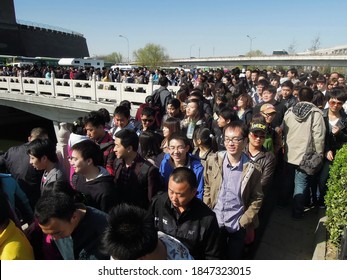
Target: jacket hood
302,110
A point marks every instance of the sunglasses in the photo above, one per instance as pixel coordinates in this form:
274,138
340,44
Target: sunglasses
335,103
269,114
258,135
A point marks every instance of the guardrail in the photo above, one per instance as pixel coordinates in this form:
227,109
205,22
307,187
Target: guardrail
95,91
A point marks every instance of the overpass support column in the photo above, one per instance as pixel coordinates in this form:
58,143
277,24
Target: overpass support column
62,133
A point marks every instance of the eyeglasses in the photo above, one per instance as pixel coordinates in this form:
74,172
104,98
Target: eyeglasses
147,120
258,135
234,140
335,103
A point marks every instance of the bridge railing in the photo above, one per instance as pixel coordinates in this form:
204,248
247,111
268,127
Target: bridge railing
95,91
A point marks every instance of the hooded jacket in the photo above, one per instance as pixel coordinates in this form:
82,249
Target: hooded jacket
297,130
99,192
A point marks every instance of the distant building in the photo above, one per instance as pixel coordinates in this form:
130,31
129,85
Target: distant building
32,40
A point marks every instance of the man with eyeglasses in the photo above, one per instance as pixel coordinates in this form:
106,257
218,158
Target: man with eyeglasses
233,189
300,121
179,156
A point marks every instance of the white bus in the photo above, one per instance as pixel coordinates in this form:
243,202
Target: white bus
124,67
82,62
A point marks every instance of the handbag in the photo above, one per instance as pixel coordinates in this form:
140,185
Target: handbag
312,161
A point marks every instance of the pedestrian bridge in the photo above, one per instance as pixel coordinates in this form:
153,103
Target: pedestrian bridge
273,60
62,100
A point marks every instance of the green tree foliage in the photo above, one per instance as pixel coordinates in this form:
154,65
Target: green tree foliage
151,55
115,57
255,53
336,197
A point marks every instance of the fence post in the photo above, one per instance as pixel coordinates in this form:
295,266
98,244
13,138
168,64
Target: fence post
20,75
53,83
93,88
150,84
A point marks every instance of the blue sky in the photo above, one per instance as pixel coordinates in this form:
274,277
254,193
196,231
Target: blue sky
190,27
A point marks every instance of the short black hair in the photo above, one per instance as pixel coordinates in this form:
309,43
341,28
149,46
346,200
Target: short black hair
237,124
175,103
106,114
122,111
95,118
131,233
306,94
288,83
148,111
163,81
179,135
338,93
42,147
58,205
184,174
128,138
89,150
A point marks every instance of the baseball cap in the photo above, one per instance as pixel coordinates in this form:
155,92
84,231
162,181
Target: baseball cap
267,108
257,126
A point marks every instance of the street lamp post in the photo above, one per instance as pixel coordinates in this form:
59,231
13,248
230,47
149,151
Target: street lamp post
128,45
250,42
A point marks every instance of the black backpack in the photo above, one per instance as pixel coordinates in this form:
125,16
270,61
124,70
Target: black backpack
156,98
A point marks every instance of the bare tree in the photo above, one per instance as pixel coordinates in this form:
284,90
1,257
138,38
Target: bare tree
315,44
292,47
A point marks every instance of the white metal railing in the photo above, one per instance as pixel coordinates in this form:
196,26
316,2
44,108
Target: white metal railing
96,91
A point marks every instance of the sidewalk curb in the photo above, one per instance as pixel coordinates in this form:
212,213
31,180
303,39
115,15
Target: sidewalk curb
320,240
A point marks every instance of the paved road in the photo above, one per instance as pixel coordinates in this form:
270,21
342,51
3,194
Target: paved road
288,239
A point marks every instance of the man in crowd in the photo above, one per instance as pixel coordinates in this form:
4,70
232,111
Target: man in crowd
179,213
301,121
233,189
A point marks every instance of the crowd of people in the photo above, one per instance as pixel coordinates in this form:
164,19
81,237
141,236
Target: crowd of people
190,176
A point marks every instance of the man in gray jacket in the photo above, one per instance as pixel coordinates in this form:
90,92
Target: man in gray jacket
299,122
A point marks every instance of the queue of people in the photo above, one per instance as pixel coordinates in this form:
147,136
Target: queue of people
191,176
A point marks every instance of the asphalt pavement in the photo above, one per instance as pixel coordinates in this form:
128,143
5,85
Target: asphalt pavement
287,239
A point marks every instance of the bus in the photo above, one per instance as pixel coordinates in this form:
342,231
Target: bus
20,61
82,62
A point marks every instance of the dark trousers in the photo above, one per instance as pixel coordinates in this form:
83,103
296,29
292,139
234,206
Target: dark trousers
233,243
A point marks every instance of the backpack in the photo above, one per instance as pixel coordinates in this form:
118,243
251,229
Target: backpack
156,98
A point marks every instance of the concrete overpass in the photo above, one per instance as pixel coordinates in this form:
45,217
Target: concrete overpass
279,60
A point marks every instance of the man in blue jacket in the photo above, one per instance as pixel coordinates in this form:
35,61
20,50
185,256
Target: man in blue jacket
179,156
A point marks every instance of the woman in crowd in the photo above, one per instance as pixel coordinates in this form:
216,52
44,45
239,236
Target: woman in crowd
203,144
194,117
150,148
244,108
